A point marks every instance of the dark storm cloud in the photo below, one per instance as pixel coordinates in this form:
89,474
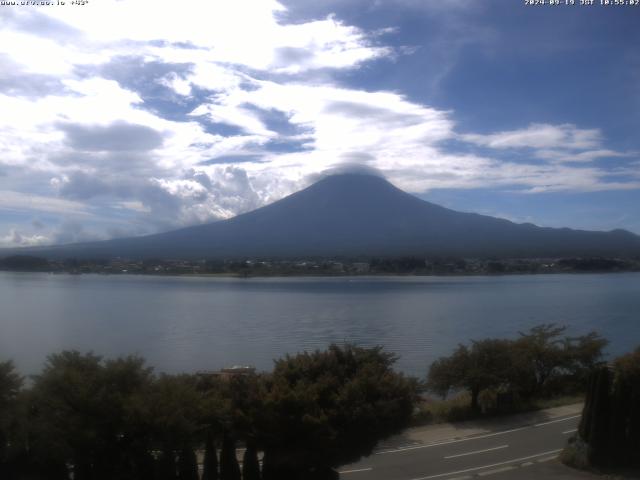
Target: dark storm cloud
117,137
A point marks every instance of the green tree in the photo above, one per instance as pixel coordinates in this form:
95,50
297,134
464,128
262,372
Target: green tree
127,450
68,406
584,355
241,416
240,406
170,412
542,352
81,414
446,373
545,361
10,387
541,361
482,365
328,408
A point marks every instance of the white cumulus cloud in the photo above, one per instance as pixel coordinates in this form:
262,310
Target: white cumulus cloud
163,114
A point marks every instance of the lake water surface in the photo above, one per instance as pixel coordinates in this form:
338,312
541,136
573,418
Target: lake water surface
197,323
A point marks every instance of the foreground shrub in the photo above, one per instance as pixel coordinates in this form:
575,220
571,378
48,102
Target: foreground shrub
85,417
330,408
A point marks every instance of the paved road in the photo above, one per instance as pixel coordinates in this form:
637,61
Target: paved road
549,470
501,452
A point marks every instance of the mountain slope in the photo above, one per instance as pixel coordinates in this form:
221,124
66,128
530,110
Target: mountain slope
357,214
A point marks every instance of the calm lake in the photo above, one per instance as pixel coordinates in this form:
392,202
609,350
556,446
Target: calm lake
191,323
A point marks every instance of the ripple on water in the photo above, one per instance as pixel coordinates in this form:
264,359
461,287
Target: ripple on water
187,324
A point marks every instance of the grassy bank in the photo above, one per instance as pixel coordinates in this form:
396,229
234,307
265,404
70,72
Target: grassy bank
457,409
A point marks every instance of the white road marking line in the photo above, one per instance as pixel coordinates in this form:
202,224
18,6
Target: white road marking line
546,459
556,421
477,451
356,471
488,466
569,431
496,470
448,442
488,435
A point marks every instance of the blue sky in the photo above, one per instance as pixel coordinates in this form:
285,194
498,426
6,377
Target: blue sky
132,117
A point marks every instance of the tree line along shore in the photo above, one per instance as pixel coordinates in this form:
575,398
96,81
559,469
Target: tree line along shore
246,267
87,417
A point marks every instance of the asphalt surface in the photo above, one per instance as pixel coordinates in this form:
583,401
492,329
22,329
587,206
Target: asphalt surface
513,452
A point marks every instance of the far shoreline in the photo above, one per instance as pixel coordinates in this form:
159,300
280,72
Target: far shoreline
416,266
335,275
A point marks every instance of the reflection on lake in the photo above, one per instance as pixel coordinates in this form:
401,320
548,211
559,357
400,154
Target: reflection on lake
189,323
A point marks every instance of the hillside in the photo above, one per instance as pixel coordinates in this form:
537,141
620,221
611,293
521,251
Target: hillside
354,215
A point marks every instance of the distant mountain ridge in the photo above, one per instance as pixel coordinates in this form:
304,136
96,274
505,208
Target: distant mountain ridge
355,214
